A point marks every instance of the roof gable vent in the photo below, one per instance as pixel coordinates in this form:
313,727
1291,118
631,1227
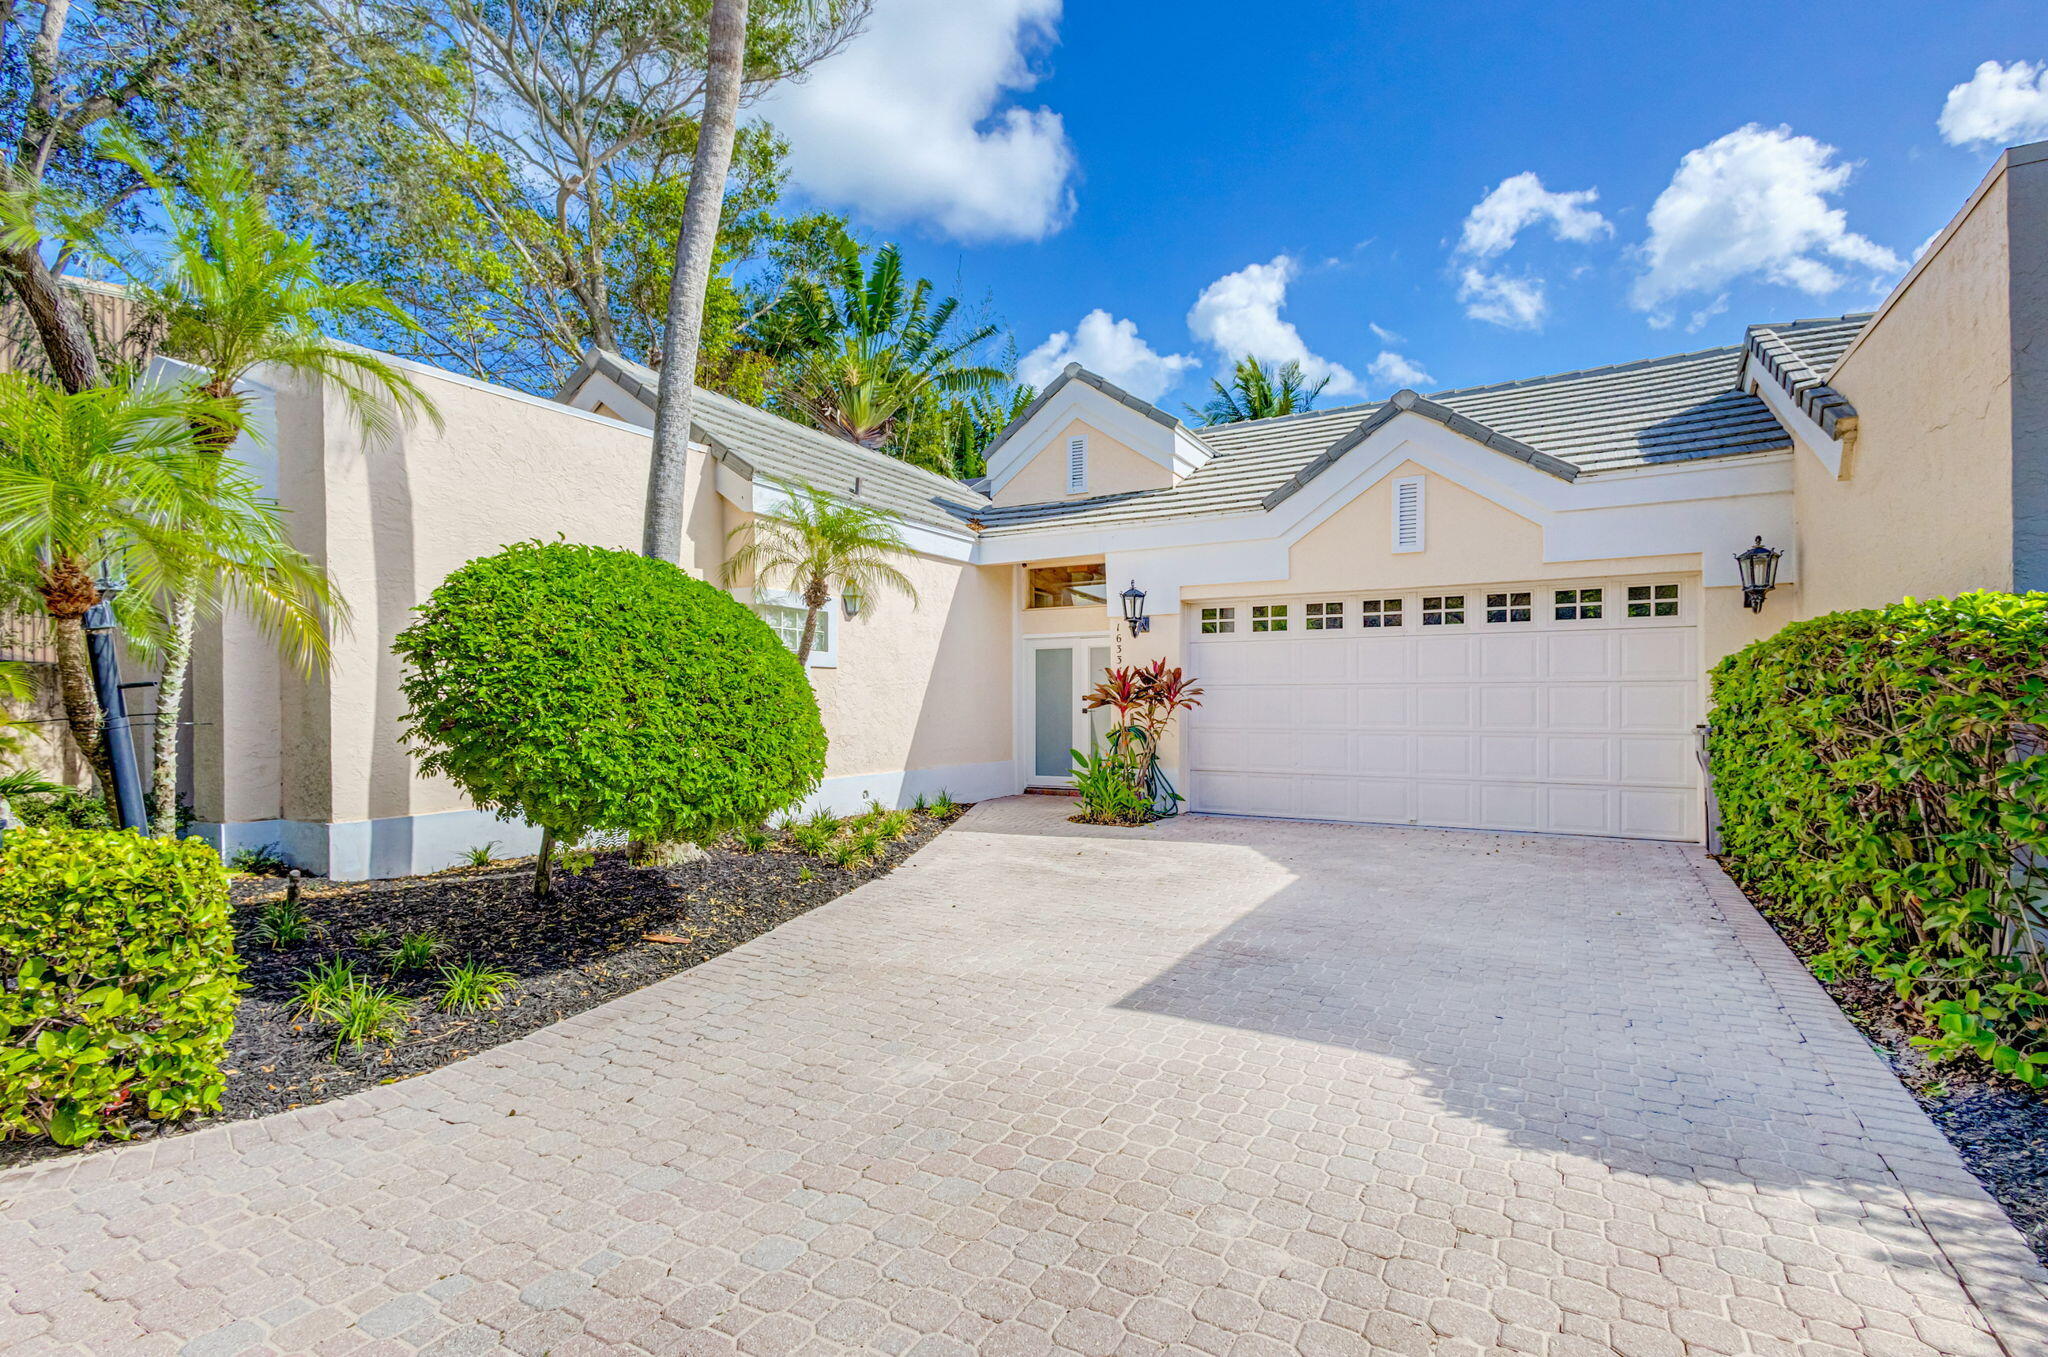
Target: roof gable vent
1408,514
1077,465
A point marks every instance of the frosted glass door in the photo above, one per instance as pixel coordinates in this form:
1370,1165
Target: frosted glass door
1054,703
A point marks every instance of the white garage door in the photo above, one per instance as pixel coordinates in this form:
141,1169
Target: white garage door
1563,709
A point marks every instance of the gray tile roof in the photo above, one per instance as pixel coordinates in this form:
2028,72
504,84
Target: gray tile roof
773,448
1655,411
1798,355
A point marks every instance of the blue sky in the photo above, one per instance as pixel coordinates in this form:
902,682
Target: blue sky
1649,178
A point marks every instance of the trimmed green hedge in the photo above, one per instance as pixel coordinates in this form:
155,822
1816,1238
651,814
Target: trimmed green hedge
587,689
118,981
1883,778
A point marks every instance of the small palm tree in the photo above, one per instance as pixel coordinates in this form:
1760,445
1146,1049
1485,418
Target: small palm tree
867,347
236,293
1259,391
116,473
814,543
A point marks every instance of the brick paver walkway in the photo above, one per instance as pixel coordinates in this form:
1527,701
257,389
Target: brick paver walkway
1230,1087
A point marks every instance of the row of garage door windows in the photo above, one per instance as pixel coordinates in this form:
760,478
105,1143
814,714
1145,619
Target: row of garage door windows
1445,610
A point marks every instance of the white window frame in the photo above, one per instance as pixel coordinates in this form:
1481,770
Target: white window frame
1408,489
825,656
1077,465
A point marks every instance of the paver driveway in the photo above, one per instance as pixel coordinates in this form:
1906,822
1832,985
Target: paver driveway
1221,1086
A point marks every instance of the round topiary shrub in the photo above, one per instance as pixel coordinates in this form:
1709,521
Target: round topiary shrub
585,689
118,981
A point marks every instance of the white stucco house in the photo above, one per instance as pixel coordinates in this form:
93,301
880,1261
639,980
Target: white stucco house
1487,607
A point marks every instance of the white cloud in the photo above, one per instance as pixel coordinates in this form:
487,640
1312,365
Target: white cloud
1510,302
1519,202
1239,314
1999,105
1396,370
1753,204
1109,348
1493,225
913,121
1383,334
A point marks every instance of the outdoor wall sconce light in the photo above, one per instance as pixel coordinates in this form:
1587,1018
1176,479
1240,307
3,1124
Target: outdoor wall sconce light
1134,609
1759,567
851,601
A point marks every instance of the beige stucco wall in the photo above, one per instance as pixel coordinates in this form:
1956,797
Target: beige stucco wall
921,683
1114,468
391,519
1926,506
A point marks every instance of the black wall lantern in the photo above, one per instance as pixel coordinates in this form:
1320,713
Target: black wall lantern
1134,609
1759,567
850,601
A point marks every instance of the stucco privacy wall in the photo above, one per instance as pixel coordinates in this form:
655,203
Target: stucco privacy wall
1926,504
1114,468
315,763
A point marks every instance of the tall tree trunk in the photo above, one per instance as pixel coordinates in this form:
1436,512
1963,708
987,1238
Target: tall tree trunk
57,318
81,705
170,697
809,638
683,336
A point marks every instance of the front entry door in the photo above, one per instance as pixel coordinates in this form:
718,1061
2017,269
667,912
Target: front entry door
1059,671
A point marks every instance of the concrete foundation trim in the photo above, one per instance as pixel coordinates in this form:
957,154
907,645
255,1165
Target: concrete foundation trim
407,845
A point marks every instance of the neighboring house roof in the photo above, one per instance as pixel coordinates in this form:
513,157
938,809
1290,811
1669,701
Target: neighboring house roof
1798,355
1646,413
778,449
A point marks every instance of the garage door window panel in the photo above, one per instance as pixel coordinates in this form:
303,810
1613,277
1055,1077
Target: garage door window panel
1323,617
1269,617
1653,600
1377,613
1446,610
1508,607
1577,605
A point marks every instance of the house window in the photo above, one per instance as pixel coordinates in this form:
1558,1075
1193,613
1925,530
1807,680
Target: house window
1066,586
1507,607
1323,617
1218,621
1653,600
1380,612
1077,465
1445,611
784,614
1269,617
1577,605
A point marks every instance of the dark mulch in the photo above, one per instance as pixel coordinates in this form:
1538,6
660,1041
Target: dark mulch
1999,1127
584,949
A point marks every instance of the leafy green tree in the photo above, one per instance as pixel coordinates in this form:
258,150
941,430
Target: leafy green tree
263,76
950,436
582,689
230,293
816,544
546,149
869,345
1259,391
117,472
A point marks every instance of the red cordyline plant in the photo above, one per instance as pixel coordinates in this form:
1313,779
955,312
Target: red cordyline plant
1123,784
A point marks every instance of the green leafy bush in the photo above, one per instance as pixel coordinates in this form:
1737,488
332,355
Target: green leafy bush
1883,779
281,923
118,981
62,808
268,860
591,690
414,951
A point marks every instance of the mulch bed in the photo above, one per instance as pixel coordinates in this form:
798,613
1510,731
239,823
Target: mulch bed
1999,1127
587,947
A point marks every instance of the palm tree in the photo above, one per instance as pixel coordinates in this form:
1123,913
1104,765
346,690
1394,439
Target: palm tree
236,293
874,347
116,473
696,245
1257,391
814,543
